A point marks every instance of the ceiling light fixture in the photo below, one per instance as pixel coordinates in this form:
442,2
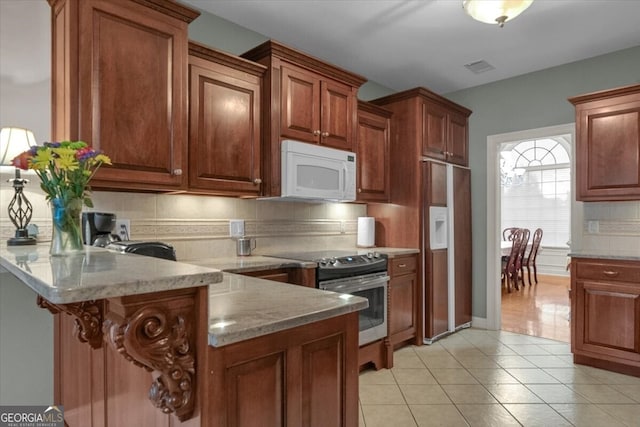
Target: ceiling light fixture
495,11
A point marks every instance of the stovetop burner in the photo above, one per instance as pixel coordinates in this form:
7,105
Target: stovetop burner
337,264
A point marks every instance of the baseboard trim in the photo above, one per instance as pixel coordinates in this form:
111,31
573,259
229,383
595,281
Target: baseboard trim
479,322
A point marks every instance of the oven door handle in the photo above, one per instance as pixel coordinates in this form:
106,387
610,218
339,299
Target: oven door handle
357,286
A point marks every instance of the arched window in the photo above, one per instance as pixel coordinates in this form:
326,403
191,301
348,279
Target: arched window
536,187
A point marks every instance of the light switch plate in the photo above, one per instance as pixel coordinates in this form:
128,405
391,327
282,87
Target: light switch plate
593,226
236,227
123,229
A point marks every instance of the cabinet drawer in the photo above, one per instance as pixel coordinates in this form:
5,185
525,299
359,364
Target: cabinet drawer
606,271
404,265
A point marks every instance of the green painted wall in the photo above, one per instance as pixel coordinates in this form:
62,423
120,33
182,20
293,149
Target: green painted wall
529,101
221,34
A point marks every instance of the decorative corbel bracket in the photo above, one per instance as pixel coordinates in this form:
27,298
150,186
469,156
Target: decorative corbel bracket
158,338
87,315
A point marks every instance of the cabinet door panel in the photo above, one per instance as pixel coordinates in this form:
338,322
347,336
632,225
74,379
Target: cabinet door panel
609,319
458,140
462,244
337,106
434,131
373,157
132,71
614,150
322,373
401,315
256,392
437,294
224,143
300,116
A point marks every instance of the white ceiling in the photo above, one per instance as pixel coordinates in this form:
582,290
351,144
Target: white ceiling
398,43
402,44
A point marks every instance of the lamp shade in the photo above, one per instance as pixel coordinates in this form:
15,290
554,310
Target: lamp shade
495,11
14,141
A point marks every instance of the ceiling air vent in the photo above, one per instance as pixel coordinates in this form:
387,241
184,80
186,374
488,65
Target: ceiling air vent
479,66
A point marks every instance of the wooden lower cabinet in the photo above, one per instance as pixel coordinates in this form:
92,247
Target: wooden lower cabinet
403,300
605,314
304,376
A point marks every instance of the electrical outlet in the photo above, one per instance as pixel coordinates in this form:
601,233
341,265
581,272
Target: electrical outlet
236,227
593,226
123,229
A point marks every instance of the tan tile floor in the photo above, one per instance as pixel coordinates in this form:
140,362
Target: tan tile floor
495,378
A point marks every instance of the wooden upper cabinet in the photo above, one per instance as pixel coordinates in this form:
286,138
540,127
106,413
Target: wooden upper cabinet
444,133
372,150
119,82
305,99
438,125
315,110
608,145
224,123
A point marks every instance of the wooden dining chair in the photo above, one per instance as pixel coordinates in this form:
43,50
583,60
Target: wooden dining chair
520,261
507,233
530,261
509,275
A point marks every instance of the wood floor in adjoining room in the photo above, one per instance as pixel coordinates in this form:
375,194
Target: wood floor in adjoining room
540,310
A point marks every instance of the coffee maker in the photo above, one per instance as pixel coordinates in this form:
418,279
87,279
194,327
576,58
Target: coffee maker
97,228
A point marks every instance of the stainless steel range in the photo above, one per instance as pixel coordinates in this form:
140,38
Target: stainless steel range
364,275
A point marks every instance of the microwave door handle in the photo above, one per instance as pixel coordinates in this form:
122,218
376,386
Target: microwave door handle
344,180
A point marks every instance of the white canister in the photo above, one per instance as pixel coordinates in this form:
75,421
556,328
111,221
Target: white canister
366,232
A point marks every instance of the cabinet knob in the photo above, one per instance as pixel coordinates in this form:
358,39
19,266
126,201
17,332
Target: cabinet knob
177,172
610,273
257,181
325,134
359,190
316,132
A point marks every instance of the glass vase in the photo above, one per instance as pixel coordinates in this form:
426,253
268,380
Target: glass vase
66,237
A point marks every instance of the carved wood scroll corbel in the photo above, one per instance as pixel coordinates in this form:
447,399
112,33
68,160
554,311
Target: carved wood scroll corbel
87,315
158,340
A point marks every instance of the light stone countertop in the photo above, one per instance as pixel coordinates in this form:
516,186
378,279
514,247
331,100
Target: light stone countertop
243,307
246,264
390,252
97,273
240,307
629,254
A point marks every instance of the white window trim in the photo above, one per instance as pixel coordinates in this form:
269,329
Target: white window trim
494,296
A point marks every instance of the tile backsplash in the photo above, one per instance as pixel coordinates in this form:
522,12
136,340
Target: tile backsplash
198,226
611,225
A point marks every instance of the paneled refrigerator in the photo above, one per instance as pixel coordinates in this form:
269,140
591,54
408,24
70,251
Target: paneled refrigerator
446,243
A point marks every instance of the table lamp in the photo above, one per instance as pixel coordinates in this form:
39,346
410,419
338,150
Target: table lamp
14,141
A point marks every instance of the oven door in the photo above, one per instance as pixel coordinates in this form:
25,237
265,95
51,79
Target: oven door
372,320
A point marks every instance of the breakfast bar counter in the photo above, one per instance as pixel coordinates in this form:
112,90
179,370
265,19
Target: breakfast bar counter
204,346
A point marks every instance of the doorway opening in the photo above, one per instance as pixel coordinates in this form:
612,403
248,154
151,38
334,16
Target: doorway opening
529,185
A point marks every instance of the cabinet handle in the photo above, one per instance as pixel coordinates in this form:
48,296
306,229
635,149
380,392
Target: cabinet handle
257,181
402,265
610,273
359,190
316,132
325,134
177,172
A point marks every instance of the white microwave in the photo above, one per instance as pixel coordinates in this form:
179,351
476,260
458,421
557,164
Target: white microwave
315,172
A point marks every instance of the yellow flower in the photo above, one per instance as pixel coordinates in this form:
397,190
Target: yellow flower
67,160
103,158
42,159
